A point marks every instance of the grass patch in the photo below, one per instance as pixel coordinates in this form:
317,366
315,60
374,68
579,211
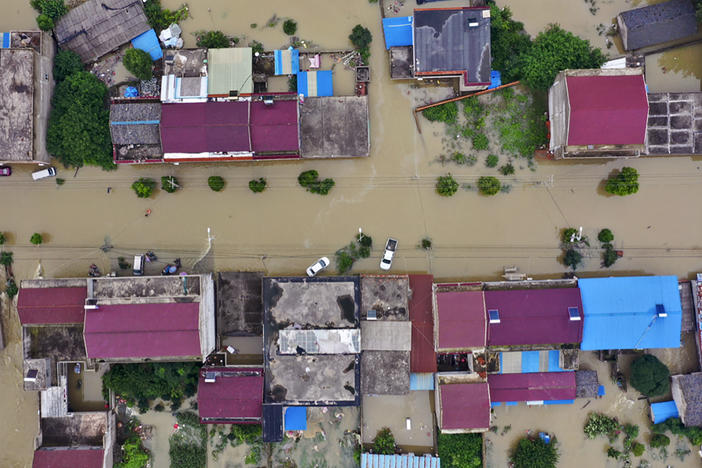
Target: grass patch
188,445
520,122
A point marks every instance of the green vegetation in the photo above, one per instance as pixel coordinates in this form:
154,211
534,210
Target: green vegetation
60,181
384,442
572,258
289,27
138,63
250,434
141,383
446,186
638,449
169,184
45,23
50,11
311,181
631,430
188,445
506,169
599,424
123,264
568,234
509,42
6,258
359,248
257,185
361,38
659,440
676,427
489,185
3,238
144,187
535,453
609,255
257,47
446,113
160,18
624,182
36,239
491,160
521,123
462,159
216,183
212,40
650,376
460,450
613,453
425,244
133,453
79,130
480,142
292,83
66,63
11,288
605,236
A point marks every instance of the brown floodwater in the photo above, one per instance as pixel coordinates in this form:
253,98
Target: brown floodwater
391,193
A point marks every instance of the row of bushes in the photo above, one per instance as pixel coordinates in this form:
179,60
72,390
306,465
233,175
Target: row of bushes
447,186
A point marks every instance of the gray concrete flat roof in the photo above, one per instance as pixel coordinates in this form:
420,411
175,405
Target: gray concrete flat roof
391,411
386,335
334,127
185,62
401,62
239,303
77,429
388,296
57,343
150,288
385,372
17,104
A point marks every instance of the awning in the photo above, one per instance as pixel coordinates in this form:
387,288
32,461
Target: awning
315,83
398,31
287,62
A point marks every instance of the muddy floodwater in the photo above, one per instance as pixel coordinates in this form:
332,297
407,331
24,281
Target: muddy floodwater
391,193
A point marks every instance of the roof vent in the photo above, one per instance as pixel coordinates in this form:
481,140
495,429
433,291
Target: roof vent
91,304
494,315
210,377
31,376
372,315
573,314
660,311
473,22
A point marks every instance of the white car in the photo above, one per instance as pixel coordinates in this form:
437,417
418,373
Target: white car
390,247
318,266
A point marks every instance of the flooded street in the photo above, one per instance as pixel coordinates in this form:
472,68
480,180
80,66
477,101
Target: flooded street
391,193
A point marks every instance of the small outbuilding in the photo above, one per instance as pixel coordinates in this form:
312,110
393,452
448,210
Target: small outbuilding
687,394
287,62
230,71
656,24
315,83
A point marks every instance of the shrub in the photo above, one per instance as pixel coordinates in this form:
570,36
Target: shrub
568,234
344,261
598,424
133,454
361,38
650,376
36,239
292,83
447,113
614,453
216,183
123,264
384,442
535,453
139,63
6,258
289,27
572,258
460,450
45,23
212,40
609,256
256,47
506,169
425,243
11,288
659,440
364,240
489,185
148,381
54,9
169,184
3,239
460,158
480,141
307,178
160,18
60,181
310,180
624,182
446,186
257,185
631,430
638,449
675,425
491,160
144,187
605,236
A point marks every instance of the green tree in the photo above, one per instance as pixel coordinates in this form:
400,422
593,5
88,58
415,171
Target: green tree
425,243
344,261
446,113
506,169
6,258
213,40
572,258
160,18
508,41
289,27
650,376
66,63
79,125
446,186
311,181
169,184
384,442
139,63
480,142
148,381
3,238
144,187
45,23
555,50
624,182
599,424
489,185
256,47
535,453
216,183
54,9
257,185
609,256
36,239
11,288
659,440
361,38
491,160
133,454
613,453
638,449
605,236
675,425
460,450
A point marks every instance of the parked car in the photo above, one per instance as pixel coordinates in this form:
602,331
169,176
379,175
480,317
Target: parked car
48,172
5,170
390,247
318,266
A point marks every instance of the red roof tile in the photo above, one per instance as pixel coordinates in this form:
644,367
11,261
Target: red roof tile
461,318
535,386
534,316
68,458
235,394
607,110
51,305
465,406
274,128
422,356
143,331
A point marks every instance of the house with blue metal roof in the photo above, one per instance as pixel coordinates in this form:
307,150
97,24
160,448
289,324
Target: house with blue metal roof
639,312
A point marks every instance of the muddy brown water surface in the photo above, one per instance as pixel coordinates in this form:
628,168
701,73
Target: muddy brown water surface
391,193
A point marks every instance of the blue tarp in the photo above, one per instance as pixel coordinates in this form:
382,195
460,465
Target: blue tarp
405,460
530,361
423,381
663,411
296,418
553,361
131,91
495,79
601,390
511,403
287,62
620,313
398,31
148,42
5,41
558,402
315,83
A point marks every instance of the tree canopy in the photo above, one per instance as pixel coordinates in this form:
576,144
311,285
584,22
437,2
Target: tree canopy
79,131
535,453
489,185
213,40
650,376
384,442
66,63
624,182
460,450
139,63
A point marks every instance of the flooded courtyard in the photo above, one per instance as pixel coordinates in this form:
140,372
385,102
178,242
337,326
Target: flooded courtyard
391,193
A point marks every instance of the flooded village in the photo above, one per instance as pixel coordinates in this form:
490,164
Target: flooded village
159,313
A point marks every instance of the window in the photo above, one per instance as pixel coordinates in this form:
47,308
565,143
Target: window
660,311
494,315
573,314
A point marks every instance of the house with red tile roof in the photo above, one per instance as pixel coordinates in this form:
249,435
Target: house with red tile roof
230,395
598,113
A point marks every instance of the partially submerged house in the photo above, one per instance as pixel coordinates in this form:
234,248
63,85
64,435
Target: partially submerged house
134,128
656,24
230,72
687,394
334,127
463,407
185,77
639,312
598,113
230,395
96,27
